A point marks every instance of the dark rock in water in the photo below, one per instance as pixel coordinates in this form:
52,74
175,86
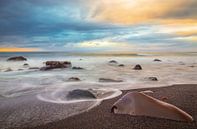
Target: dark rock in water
8,70
137,67
157,60
34,68
192,66
80,94
113,62
80,59
17,58
152,79
20,69
74,79
109,80
55,65
77,68
25,64
121,65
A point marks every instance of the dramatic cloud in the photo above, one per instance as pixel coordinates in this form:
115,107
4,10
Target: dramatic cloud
98,25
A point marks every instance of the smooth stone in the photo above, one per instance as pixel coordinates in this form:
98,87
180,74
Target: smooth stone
152,78
138,67
80,94
74,79
17,58
140,104
109,80
157,60
77,68
113,62
121,65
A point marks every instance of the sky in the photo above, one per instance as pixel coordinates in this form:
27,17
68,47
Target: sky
98,25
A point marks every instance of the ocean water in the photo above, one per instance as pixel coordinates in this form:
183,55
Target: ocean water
51,87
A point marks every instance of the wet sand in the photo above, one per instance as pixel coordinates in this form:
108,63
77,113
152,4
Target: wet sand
184,96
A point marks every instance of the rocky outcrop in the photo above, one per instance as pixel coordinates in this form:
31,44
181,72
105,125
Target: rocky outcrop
109,80
138,67
80,94
17,58
56,65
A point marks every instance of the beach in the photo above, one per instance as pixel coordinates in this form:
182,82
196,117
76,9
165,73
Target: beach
184,96
60,91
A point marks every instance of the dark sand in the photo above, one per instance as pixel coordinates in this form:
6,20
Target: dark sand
183,96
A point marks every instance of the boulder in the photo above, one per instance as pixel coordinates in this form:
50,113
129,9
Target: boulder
109,80
138,67
17,58
74,79
77,68
55,65
80,94
157,60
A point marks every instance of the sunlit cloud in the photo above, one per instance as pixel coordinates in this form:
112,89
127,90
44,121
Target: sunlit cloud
19,49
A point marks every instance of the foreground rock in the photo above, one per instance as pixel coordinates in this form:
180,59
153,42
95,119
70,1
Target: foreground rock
56,65
80,94
157,60
74,79
17,58
133,104
138,67
109,80
8,70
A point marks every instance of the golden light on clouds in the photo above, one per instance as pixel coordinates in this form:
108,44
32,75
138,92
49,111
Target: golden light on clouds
140,11
18,49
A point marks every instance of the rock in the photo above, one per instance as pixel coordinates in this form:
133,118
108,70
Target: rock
77,68
55,65
74,79
157,60
34,68
20,69
137,67
113,62
152,79
80,94
25,64
121,65
17,58
108,80
192,66
8,70
140,104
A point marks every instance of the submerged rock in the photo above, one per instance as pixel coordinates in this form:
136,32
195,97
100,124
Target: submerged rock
121,65
109,80
157,60
113,62
74,79
55,65
77,68
17,58
34,68
25,64
152,78
138,67
8,70
80,94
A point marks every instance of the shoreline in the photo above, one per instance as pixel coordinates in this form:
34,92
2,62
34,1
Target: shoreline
183,96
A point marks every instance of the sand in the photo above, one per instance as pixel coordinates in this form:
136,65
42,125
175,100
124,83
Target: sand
183,96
